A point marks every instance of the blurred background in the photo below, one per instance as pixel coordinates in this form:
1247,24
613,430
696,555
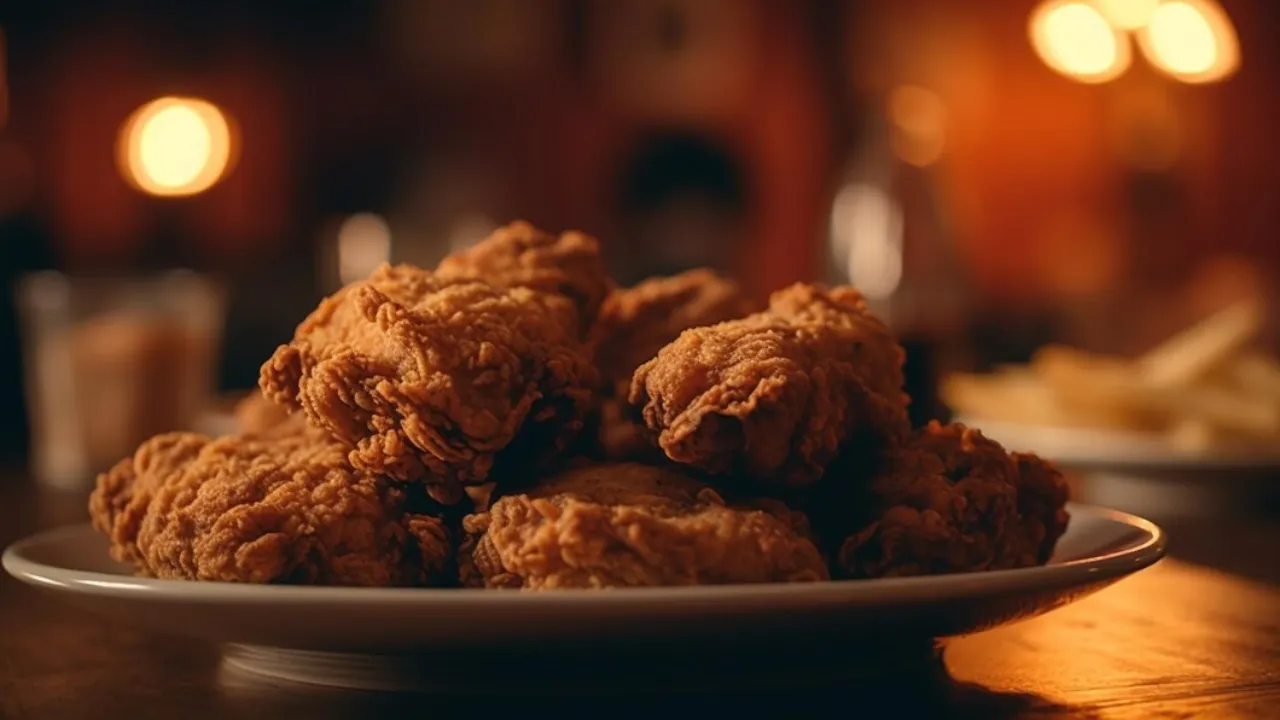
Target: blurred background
994,174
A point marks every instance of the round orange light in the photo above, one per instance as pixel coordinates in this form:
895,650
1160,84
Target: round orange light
1191,40
1128,14
175,147
1075,39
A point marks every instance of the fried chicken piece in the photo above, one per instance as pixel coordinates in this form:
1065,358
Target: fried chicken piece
875,351
264,510
257,414
436,380
774,398
620,524
520,255
952,500
635,323
118,504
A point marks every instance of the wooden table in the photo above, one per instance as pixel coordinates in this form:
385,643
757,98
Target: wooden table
1178,640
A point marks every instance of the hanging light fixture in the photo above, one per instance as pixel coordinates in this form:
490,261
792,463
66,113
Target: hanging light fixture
1192,41
1128,14
175,147
1074,38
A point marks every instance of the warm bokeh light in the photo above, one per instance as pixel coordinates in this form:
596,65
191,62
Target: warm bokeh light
1076,40
1128,14
1192,40
364,243
175,146
918,116
866,239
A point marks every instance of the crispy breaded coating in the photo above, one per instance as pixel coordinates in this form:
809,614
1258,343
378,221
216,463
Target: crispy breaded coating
774,398
119,502
520,255
635,323
265,510
436,380
616,525
876,352
951,500
639,321
257,414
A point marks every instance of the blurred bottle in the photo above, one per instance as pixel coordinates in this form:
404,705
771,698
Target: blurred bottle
889,238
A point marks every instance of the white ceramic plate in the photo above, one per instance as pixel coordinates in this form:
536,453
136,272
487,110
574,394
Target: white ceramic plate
345,635
1083,448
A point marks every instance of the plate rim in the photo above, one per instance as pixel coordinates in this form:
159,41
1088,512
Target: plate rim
1106,566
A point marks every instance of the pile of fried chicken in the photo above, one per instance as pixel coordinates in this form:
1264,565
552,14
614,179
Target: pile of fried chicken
512,419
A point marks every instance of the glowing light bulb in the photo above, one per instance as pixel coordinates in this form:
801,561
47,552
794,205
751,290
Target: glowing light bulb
175,146
1074,39
866,238
1128,14
1191,40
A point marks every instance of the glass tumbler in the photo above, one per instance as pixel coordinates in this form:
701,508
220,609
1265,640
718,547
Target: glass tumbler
110,362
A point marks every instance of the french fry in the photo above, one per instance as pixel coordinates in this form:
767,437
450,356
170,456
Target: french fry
1100,391
1190,355
995,397
1256,373
1013,396
1194,435
1234,411
1074,369
1201,389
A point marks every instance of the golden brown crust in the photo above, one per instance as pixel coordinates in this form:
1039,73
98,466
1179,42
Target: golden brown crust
776,397
520,255
635,323
432,379
119,503
264,510
951,500
258,414
616,525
